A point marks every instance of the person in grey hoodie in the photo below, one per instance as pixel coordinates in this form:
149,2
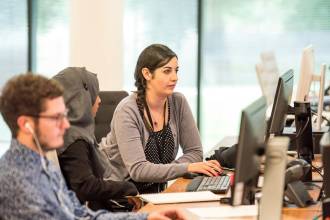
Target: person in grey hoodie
149,125
82,163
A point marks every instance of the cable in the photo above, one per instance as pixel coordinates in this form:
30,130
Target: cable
299,133
301,130
318,170
324,118
321,193
43,163
59,193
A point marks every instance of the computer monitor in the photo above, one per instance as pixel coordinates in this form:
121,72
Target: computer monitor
267,72
281,103
250,146
307,76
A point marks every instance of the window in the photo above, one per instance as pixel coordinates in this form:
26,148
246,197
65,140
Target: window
13,32
13,50
51,43
163,22
234,34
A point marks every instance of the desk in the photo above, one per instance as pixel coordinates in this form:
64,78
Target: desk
287,213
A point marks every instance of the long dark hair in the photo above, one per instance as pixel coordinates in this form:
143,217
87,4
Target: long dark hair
152,57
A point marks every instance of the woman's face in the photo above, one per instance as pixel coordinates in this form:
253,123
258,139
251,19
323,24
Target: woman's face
96,106
163,81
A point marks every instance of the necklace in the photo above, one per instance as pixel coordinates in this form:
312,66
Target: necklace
154,123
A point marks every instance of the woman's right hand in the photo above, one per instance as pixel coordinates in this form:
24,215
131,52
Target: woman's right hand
209,168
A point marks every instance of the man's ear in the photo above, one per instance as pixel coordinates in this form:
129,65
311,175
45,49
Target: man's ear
146,73
23,121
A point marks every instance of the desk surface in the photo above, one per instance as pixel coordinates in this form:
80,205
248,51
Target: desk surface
287,213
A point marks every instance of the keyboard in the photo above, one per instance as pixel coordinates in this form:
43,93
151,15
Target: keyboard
215,184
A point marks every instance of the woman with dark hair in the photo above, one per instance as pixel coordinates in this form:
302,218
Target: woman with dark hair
149,125
84,167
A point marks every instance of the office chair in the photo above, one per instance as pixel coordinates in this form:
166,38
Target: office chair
109,102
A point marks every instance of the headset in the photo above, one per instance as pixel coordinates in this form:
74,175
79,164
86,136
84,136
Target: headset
59,193
303,165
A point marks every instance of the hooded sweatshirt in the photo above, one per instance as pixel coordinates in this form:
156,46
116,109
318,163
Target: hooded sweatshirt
82,163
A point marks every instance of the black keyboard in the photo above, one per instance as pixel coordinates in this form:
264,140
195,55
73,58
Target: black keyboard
216,184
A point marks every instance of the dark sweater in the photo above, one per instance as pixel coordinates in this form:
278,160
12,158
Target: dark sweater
84,175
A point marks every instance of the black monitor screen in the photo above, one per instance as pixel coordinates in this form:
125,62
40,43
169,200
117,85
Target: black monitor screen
250,144
281,102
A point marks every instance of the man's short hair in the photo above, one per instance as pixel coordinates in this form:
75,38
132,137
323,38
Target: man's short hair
25,94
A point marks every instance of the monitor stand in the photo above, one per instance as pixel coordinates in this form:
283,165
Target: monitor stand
290,131
273,185
304,137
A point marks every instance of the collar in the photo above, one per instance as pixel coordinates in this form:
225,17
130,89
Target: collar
25,153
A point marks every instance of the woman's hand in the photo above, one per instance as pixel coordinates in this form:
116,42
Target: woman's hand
209,168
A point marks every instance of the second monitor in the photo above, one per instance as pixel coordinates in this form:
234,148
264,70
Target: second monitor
250,146
281,103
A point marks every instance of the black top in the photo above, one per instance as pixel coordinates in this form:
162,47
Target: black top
84,175
226,156
159,150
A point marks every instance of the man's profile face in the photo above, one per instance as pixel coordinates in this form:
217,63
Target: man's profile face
52,124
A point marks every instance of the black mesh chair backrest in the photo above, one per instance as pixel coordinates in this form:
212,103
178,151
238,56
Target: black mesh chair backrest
109,102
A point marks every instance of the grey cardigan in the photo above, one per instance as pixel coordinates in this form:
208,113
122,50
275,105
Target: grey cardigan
128,137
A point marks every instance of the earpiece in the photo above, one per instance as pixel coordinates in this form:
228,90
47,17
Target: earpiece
28,126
